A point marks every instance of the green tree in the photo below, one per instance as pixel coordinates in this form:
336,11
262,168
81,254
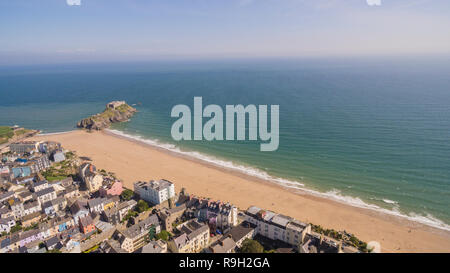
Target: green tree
251,246
163,235
141,206
130,214
127,194
151,232
16,228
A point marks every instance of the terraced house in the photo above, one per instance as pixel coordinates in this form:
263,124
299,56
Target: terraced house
194,238
47,194
135,236
24,147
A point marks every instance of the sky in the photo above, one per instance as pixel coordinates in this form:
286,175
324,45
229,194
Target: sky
47,31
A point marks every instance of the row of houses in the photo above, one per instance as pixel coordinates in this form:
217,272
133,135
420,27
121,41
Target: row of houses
59,213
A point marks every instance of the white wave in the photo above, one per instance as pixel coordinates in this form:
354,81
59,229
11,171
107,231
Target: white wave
212,160
427,219
387,201
334,195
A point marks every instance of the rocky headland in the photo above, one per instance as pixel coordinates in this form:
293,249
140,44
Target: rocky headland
115,111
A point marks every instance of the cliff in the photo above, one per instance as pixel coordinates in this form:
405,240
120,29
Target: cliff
116,111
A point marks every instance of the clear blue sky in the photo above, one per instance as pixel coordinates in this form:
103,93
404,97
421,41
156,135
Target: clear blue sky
34,31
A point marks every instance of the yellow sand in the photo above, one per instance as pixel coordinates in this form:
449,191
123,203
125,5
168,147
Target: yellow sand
133,161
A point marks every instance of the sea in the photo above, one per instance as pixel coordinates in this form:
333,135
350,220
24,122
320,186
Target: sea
369,132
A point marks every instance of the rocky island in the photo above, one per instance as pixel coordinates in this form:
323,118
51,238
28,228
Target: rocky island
115,111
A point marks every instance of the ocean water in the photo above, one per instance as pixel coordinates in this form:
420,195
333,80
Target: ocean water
369,132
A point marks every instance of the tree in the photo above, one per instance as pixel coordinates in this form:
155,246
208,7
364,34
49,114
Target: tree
251,246
141,206
151,232
129,215
16,228
163,235
127,194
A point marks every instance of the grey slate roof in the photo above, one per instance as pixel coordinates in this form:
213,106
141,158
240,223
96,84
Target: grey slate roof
45,191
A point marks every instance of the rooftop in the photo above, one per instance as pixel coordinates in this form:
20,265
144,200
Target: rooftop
154,185
45,191
140,227
240,231
224,245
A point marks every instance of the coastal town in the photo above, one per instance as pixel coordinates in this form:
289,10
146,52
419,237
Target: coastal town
53,200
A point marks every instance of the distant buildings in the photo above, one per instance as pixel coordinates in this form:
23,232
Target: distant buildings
115,104
155,192
24,147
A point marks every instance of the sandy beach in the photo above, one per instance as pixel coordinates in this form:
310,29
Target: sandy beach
133,161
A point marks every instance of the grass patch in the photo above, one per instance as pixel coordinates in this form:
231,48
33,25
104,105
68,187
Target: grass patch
5,134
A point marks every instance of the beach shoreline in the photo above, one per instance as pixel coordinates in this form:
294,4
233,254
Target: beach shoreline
134,160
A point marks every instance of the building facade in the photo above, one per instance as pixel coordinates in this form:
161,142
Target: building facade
155,192
276,226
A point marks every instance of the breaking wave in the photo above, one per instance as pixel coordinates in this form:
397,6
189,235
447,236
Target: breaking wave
334,195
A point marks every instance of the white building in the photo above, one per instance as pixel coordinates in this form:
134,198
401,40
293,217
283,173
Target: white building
276,226
24,147
31,207
155,192
6,224
40,185
58,156
47,194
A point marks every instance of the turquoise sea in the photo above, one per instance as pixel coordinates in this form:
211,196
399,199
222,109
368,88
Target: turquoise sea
369,132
